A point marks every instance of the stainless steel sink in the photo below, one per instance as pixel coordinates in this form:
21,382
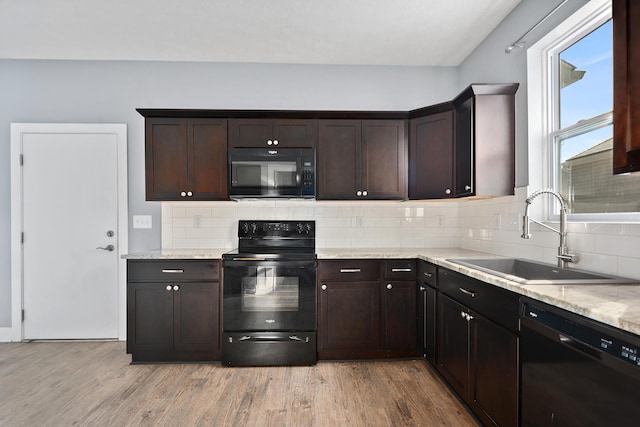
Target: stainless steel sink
536,273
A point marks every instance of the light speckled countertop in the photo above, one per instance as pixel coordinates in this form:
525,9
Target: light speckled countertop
615,305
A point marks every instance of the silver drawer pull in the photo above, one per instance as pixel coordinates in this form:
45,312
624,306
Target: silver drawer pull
350,270
397,270
172,270
472,294
428,274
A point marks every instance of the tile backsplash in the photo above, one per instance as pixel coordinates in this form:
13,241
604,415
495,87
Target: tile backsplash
488,225
338,224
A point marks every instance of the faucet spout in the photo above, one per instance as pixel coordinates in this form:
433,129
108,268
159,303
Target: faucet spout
563,252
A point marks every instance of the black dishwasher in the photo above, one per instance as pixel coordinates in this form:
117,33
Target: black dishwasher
575,371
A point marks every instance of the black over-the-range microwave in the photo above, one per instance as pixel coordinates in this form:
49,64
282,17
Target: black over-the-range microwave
272,173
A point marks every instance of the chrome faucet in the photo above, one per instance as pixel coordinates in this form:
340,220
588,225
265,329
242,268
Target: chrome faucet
564,258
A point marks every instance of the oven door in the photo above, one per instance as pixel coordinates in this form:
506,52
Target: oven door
269,295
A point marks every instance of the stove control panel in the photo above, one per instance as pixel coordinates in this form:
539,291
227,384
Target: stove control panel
276,229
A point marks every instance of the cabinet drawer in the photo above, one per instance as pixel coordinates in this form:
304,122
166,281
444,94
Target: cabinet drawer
497,304
427,274
173,271
400,269
348,270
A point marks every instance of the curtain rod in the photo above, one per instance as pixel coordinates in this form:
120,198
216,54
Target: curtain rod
520,42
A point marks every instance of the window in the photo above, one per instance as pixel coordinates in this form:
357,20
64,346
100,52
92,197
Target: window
580,125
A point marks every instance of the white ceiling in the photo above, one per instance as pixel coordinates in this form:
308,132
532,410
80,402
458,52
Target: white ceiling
368,32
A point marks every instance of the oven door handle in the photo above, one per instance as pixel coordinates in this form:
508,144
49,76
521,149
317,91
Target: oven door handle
248,338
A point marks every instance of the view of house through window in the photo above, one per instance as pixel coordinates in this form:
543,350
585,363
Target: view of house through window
582,145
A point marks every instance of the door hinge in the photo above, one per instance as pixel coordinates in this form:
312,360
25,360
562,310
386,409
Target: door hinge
21,159
22,237
23,315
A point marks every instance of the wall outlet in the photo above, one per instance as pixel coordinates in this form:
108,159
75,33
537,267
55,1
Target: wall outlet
142,221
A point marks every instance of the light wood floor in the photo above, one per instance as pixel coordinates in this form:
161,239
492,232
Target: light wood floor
93,384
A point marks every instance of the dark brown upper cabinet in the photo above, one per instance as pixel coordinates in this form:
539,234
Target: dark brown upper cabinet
185,159
484,144
626,86
431,139
286,133
361,159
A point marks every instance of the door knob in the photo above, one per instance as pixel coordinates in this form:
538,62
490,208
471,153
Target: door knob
109,248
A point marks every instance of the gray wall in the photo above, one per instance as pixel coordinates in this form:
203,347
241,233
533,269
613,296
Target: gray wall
109,92
490,64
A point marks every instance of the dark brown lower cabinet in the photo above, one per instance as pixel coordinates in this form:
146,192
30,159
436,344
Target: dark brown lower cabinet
175,319
399,307
361,316
479,360
349,319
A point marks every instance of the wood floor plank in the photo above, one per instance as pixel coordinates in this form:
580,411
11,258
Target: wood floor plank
94,384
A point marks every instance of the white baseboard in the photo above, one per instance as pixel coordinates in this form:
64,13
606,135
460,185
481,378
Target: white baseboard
5,334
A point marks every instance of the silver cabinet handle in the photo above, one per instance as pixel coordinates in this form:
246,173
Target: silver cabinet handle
109,248
472,294
269,142
171,270
350,270
428,274
168,287
189,193
358,193
364,193
466,316
323,287
389,286
397,270
275,142
176,287
183,193
422,288
467,187
447,191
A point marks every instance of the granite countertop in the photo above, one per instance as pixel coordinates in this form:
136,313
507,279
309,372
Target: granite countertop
616,305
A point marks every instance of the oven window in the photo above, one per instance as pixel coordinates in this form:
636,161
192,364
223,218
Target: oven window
269,292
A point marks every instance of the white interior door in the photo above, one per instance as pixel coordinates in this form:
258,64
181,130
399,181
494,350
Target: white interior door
70,209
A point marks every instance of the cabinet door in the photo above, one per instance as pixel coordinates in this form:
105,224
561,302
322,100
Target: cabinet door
626,86
196,327
261,133
494,373
431,156
339,144
207,159
149,320
349,317
400,315
250,132
453,344
383,159
295,133
165,158
464,148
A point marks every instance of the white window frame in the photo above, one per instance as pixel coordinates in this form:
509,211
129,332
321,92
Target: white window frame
543,103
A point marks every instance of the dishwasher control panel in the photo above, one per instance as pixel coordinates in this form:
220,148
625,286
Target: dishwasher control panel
587,334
